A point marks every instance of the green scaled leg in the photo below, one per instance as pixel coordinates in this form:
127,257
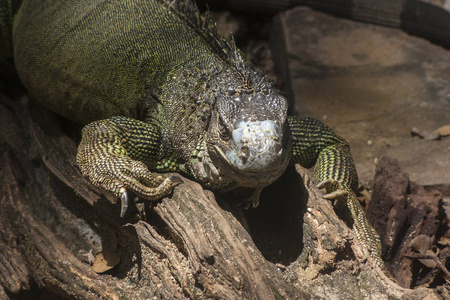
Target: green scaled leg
315,144
115,155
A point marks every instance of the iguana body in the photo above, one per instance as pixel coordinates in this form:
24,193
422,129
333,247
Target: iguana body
164,92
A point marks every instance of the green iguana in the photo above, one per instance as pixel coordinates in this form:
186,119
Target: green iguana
162,91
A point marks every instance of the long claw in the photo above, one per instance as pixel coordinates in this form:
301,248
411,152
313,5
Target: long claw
253,200
324,184
334,195
123,201
175,179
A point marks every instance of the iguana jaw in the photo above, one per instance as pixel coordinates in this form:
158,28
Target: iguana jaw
248,177
256,147
255,155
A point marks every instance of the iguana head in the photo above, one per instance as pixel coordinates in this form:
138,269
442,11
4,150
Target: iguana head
250,134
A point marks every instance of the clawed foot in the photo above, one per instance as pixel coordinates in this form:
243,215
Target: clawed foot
174,180
253,200
334,190
104,156
117,174
346,199
123,201
343,198
251,203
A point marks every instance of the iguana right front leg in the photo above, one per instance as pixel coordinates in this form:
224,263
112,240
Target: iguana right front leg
315,144
115,154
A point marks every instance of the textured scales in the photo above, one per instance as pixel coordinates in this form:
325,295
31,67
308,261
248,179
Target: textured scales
163,92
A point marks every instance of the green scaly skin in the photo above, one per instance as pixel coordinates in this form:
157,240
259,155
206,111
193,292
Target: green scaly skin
161,91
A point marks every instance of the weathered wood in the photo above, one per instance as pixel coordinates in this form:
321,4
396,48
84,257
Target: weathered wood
52,221
407,217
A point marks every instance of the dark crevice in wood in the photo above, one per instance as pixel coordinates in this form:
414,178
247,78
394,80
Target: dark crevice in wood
276,225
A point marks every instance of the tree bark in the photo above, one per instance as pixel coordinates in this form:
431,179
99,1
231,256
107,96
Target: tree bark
191,245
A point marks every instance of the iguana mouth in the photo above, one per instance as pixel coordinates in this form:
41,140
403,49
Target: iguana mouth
223,156
255,147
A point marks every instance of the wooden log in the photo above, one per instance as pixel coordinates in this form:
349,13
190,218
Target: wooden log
53,223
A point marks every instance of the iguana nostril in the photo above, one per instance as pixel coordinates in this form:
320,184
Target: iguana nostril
245,153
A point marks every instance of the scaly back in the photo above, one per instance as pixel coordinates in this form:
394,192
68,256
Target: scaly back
90,60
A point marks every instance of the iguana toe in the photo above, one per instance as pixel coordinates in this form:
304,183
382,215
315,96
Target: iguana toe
253,200
175,180
123,202
335,195
335,190
326,184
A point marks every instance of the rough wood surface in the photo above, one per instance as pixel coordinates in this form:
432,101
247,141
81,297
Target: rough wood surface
413,227
190,245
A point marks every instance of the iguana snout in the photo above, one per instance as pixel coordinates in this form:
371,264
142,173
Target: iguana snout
252,133
257,146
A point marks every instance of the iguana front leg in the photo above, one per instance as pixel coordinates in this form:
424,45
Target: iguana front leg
315,144
115,154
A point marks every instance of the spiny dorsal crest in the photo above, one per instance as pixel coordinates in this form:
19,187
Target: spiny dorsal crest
240,63
188,11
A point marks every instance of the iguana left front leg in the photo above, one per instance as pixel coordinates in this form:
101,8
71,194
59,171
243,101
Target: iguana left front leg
116,153
315,144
